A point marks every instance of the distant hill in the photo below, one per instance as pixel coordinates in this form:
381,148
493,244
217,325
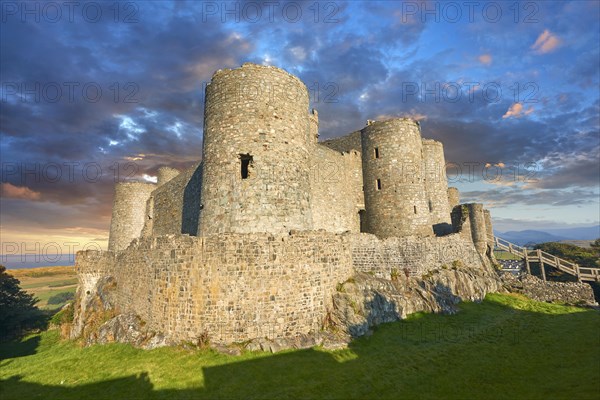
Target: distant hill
587,233
531,237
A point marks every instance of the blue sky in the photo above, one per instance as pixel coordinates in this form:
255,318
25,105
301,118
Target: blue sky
114,90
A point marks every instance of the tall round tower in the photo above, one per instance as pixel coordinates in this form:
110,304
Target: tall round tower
395,198
128,213
256,165
436,186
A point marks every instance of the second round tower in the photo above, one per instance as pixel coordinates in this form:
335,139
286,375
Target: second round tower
395,199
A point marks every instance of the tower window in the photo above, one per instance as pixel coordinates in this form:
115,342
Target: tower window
430,206
245,162
378,184
376,152
415,208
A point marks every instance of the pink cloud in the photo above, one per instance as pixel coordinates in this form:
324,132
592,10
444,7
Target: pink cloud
11,191
546,42
517,111
485,59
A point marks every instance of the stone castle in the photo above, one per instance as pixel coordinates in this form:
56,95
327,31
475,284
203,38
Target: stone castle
256,239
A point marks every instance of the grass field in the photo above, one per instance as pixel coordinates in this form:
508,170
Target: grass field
46,282
505,255
507,347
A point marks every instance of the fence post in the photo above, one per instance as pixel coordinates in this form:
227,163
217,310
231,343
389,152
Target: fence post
527,262
539,254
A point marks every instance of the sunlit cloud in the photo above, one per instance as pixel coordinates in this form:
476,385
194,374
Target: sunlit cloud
546,43
149,178
517,111
10,191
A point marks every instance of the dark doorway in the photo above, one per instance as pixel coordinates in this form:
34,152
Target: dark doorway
362,216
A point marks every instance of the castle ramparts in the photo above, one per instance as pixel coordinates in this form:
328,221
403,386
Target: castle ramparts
254,240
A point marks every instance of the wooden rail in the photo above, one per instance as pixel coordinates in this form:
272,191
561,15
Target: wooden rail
582,273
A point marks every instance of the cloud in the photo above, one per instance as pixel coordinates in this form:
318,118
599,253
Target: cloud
516,111
503,196
546,43
485,59
11,191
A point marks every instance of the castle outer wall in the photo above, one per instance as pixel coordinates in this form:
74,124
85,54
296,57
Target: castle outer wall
237,287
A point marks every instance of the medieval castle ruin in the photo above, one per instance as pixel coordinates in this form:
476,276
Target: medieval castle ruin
256,239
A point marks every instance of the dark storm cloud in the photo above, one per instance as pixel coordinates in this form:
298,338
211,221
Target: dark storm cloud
164,64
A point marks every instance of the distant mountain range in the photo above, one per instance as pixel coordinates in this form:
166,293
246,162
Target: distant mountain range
550,235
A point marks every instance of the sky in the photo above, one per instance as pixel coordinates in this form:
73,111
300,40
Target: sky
93,93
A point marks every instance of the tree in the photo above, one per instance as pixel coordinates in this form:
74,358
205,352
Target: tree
596,246
18,313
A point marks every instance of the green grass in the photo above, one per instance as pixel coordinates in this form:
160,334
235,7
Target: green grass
57,284
46,282
507,347
505,255
45,295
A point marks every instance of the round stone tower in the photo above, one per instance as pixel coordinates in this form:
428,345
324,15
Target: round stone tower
128,213
165,174
477,225
436,186
395,198
256,164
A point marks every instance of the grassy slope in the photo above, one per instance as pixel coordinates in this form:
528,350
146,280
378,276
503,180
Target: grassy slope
46,282
506,348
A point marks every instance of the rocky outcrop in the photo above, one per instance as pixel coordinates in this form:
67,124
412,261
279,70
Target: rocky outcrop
365,301
98,321
577,293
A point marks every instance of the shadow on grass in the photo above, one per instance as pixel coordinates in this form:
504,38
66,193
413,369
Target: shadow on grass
489,350
19,349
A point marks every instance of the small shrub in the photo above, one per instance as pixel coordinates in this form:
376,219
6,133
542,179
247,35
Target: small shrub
203,340
64,316
394,274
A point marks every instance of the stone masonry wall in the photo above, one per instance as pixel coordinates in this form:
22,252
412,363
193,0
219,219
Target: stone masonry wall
176,204
413,256
336,184
238,287
345,143
453,197
233,287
